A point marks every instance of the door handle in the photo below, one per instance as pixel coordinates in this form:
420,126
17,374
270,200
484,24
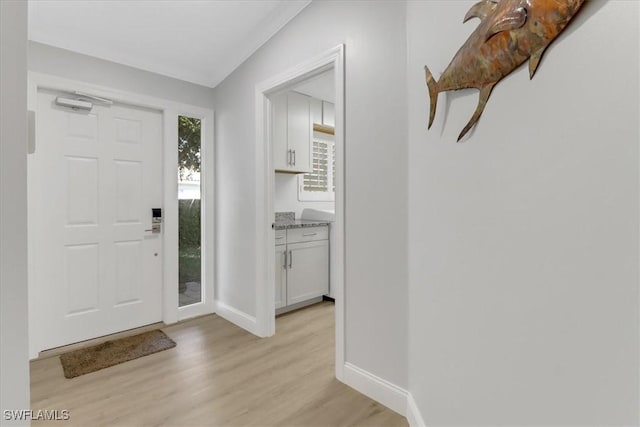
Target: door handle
155,229
290,259
285,260
294,157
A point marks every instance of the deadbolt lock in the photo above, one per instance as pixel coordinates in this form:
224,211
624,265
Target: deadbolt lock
156,221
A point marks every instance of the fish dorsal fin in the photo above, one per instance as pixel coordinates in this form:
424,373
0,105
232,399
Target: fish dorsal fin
509,21
480,10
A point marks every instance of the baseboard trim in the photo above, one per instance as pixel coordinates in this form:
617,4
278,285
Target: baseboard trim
378,389
414,417
237,317
57,351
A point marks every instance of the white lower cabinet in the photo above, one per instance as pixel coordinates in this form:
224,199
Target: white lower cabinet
281,276
302,268
308,272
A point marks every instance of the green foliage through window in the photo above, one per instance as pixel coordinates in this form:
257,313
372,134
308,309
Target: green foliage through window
189,228
189,130
189,240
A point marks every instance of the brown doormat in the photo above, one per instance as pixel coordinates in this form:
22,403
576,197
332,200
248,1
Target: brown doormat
109,353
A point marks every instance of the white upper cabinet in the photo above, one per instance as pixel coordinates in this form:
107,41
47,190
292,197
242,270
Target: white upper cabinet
328,114
316,110
300,131
281,154
291,133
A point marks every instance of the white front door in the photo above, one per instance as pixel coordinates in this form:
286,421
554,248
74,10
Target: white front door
97,176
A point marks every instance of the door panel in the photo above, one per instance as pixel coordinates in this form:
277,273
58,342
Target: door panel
81,277
129,275
129,200
82,199
99,175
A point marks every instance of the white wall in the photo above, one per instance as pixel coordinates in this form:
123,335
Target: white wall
376,269
286,196
71,65
14,361
524,240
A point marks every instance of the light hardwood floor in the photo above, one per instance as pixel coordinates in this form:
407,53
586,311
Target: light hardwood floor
218,375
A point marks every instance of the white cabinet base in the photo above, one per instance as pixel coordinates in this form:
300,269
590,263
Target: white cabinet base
299,305
308,273
281,276
301,266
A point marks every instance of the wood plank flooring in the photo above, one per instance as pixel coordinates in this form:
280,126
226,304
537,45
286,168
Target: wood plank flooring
218,375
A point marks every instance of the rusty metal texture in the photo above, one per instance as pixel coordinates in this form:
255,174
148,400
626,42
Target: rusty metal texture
510,33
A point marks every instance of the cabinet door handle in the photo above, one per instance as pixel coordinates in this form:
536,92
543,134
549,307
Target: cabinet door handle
309,234
285,260
290,259
294,157
289,157
279,237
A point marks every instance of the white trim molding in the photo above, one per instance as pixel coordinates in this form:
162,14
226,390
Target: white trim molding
237,317
332,59
414,416
378,389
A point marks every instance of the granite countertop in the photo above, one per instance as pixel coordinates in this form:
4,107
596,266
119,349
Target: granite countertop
284,224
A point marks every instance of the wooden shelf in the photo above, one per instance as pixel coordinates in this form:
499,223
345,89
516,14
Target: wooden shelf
324,129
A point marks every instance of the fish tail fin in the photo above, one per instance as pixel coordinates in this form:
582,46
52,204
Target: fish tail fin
432,84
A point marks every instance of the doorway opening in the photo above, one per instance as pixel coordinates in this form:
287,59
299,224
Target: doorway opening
103,172
306,179
302,130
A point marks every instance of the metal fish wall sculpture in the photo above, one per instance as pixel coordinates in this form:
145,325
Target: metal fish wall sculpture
510,33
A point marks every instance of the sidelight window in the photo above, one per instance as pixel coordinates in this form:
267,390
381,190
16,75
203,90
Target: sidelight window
189,217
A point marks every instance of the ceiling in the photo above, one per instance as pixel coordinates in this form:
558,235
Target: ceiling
197,41
321,87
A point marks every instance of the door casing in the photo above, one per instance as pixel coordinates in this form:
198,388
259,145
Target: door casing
171,313
265,250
